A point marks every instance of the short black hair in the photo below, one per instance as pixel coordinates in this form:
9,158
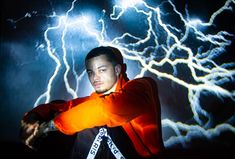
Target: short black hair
113,54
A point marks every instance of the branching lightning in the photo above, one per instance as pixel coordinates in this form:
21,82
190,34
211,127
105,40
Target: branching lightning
210,79
208,82
64,23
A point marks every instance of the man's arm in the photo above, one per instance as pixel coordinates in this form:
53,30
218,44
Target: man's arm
112,110
46,112
38,122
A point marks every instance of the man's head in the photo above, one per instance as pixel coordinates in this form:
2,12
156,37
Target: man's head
104,66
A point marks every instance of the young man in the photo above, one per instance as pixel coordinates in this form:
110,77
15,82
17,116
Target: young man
121,119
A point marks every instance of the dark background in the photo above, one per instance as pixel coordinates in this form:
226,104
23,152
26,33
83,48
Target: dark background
26,68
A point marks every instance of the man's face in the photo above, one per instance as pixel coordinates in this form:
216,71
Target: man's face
102,74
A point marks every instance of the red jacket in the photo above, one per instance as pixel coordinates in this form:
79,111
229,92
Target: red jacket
134,106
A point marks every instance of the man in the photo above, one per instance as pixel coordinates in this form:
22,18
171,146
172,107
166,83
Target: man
121,119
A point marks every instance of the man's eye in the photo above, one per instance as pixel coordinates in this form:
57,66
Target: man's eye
89,73
102,70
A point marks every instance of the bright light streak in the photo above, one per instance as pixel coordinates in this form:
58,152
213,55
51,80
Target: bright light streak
65,23
195,22
130,3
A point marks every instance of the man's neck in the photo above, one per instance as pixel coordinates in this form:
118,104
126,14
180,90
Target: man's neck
111,90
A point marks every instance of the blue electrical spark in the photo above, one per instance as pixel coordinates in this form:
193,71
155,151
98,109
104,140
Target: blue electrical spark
158,44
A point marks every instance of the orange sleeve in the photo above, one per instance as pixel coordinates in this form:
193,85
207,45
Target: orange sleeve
85,115
46,111
112,110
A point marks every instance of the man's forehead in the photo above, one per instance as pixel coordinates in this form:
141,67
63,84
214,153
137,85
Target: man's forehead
97,61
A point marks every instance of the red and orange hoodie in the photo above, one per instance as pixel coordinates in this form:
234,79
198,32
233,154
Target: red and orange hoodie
134,105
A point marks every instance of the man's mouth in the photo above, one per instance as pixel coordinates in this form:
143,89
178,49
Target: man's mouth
97,84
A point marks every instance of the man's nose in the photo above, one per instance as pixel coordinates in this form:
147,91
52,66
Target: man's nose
96,77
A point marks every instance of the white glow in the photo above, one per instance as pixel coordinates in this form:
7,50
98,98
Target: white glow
195,22
130,3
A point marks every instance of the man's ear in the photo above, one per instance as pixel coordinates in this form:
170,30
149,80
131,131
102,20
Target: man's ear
118,69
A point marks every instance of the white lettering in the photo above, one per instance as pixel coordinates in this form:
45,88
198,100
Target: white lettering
96,144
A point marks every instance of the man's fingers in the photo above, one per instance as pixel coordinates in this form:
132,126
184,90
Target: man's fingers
23,124
31,139
29,132
30,127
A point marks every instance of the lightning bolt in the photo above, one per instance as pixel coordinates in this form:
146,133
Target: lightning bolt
207,76
209,82
64,24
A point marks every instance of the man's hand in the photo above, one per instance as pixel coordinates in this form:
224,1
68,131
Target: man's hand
29,130
33,133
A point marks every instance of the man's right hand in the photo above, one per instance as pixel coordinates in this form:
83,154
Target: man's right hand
29,129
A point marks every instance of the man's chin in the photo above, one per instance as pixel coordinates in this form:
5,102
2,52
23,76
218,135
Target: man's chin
100,91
